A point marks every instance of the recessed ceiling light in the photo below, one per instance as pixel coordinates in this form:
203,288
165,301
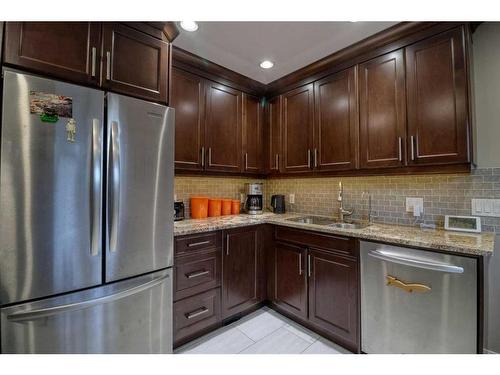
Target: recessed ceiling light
266,64
189,25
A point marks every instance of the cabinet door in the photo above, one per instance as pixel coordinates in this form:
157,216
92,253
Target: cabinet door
274,113
335,131
333,296
436,77
382,111
188,99
67,50
298,129
290,279
252,134
241,270
134,63
223,128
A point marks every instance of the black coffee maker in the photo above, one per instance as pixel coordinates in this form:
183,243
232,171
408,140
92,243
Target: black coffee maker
253,202
278,204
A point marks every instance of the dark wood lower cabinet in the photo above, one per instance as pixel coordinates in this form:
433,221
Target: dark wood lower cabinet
333,295
308,276
196,315
242,270
290,279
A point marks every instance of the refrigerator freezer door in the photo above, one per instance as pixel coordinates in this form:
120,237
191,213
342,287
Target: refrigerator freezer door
132,316
50,187
140,202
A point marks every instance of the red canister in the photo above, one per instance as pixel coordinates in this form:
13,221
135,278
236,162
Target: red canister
226,207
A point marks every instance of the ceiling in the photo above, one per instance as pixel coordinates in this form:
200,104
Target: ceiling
241,46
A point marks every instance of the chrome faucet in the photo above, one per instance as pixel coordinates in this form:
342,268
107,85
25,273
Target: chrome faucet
342,211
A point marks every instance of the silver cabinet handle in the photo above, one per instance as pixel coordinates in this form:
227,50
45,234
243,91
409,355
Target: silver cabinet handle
42,313
96,189
194,314
309,158
227,244
202,156
315,158
246,161
210,156
300,263
309,265
94,55
400,148
198,243
276,161
108,65
412,146
195,274
417,263
114,178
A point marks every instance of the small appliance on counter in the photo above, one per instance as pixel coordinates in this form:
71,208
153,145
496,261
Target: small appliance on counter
179,211
253,201
278,204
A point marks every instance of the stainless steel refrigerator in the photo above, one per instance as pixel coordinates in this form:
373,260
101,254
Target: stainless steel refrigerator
86,223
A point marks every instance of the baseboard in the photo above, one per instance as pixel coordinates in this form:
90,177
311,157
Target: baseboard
486,351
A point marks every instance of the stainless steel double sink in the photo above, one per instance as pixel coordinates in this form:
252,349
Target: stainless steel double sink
329,222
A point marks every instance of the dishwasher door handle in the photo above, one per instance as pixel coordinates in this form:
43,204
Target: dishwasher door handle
417,263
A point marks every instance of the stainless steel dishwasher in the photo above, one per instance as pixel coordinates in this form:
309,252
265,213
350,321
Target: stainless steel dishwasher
415,301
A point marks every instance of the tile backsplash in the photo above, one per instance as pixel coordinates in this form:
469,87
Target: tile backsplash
443,194
212,187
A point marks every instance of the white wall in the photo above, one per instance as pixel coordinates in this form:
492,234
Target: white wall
486,61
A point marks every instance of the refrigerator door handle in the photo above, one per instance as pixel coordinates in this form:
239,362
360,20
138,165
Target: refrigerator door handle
114,186
23,316
95,189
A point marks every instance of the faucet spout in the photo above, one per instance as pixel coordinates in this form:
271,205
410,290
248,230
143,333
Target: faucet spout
342,212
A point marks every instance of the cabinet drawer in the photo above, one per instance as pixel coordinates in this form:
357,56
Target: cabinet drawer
195,315
200,241
196,273
339,244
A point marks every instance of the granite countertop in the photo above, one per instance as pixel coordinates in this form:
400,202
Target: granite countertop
433,239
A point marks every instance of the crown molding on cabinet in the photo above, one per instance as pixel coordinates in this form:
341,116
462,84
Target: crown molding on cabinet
198,65
167,31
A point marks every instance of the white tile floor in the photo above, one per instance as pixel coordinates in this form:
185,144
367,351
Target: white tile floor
262,332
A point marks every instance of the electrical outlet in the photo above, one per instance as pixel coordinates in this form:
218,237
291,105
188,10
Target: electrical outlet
242,197
415,205
291,198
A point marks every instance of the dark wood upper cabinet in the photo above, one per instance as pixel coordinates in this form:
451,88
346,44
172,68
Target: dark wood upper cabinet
333,295
223,128
336,122
274,134
134,63
66,50
188,99
436,77
298,109
242,270
382,111
252,134
290,279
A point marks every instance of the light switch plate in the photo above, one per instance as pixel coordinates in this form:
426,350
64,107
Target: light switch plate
486,207
415,202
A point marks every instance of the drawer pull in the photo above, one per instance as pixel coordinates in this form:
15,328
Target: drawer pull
194,274
195,313
407,287
198,243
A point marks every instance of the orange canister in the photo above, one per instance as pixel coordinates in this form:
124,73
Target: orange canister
214,207
199,207
235,207
226,206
